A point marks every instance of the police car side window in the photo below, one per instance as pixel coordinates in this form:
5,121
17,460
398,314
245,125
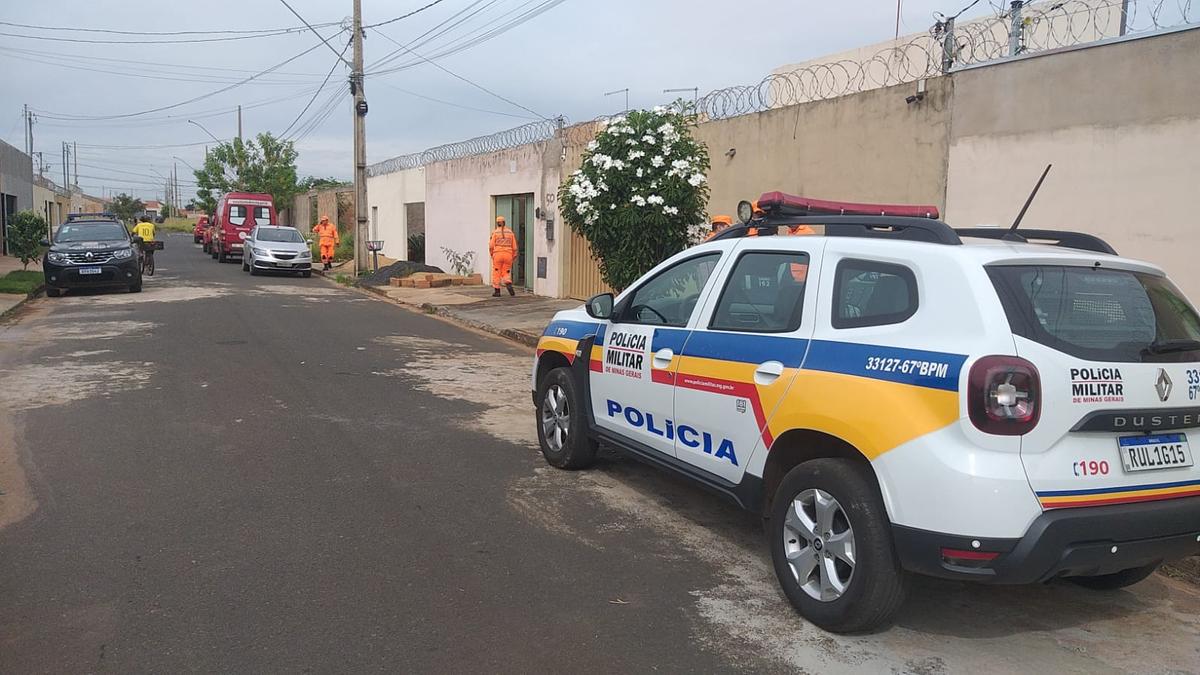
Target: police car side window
764,293
872,293
669,298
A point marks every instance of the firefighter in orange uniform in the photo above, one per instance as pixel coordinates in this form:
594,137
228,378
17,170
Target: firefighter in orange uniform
327,235
800,270
719,223
503,249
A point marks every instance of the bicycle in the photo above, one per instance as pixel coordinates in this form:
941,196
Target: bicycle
148,249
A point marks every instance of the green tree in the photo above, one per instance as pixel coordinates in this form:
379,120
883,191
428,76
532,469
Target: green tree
264,164
126,207
25,233
640,193
315,183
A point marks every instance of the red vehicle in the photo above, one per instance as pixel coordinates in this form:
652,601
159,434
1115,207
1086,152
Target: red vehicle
198,230
237,214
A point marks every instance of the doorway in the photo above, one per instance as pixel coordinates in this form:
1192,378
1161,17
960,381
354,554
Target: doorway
518,213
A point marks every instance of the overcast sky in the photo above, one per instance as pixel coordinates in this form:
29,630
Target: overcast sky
560,62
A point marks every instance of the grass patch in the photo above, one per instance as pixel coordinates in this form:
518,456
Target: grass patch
21,281
185,225
344,279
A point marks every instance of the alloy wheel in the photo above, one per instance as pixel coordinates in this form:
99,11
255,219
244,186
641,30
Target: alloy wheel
556,417
819,544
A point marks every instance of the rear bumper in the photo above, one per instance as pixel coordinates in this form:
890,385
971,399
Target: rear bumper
1085,541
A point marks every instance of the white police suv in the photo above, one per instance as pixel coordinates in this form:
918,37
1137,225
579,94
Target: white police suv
899,397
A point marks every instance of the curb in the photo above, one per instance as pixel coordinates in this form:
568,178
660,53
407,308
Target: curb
520,337
31,295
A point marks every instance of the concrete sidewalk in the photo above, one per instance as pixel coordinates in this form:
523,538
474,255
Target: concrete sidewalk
521,318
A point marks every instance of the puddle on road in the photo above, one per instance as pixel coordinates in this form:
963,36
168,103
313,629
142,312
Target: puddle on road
945,627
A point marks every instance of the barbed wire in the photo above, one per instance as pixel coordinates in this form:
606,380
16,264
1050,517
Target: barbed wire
1043,26
533,132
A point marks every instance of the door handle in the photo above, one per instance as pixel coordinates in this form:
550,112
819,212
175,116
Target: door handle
662,358
768,372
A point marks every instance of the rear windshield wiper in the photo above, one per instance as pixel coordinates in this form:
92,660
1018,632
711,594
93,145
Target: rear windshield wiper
1171,346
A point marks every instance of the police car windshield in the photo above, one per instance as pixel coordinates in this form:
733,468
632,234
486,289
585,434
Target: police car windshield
1099,314
284,234
101,231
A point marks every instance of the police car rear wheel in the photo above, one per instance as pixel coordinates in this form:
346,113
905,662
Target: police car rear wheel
831,546
561,433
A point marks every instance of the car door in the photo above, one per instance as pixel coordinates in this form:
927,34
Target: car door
749,343
632,383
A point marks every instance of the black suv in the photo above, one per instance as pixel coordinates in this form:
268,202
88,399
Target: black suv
92,250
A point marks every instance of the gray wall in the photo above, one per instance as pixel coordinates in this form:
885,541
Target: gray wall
16,175
1121,124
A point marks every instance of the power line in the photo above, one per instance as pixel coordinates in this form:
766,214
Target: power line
460,77
63,116
404,16
184,40
492,28
146,32
453,104
314,30
449,23
317,93
203,79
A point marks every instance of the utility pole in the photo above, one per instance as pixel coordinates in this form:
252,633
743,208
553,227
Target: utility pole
360,145
75,155
1016,33
239,122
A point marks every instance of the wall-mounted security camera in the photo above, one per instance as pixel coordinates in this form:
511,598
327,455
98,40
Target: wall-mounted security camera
919,96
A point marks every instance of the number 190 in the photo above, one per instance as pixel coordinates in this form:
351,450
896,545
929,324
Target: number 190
1090,468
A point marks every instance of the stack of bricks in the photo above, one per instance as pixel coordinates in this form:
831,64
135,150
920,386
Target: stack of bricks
423,280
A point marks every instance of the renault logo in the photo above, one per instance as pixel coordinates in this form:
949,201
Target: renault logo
1163,385
89,255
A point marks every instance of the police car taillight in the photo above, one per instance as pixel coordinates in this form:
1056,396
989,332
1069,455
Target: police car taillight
1004,395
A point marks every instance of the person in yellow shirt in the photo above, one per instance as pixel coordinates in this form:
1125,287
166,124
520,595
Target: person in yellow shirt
144,229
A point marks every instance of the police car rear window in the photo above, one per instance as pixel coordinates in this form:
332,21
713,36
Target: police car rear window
1099,314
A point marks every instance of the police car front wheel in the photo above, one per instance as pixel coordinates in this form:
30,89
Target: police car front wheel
831,546
562,433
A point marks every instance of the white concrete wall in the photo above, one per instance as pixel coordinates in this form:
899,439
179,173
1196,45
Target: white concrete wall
389,193
460,210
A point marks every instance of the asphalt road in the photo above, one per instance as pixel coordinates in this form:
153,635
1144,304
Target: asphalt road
260,474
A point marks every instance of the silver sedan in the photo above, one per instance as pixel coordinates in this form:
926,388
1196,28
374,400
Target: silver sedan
271,248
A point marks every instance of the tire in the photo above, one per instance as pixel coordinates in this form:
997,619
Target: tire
1116,580
137,287
245,265
150,266
562,423
306,273
53,292
872,588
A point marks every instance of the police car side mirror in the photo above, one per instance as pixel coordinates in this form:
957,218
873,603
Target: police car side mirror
44,242
600,306
308,241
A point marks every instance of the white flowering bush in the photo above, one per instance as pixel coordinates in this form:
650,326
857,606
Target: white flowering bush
640,192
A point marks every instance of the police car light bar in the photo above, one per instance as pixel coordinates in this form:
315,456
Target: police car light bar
779,203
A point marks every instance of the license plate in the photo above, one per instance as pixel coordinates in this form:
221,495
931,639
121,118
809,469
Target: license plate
90,270
284,264
1147,453
236,245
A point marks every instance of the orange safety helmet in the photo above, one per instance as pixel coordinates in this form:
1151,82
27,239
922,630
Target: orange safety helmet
500,220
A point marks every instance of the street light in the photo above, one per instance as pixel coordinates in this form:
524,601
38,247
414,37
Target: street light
189,165
204,130
620,91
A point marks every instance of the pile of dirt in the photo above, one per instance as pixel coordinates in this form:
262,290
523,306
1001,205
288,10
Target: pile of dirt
401,269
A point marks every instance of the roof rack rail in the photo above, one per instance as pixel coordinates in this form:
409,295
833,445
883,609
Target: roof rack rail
1063,238
902,228
91,216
